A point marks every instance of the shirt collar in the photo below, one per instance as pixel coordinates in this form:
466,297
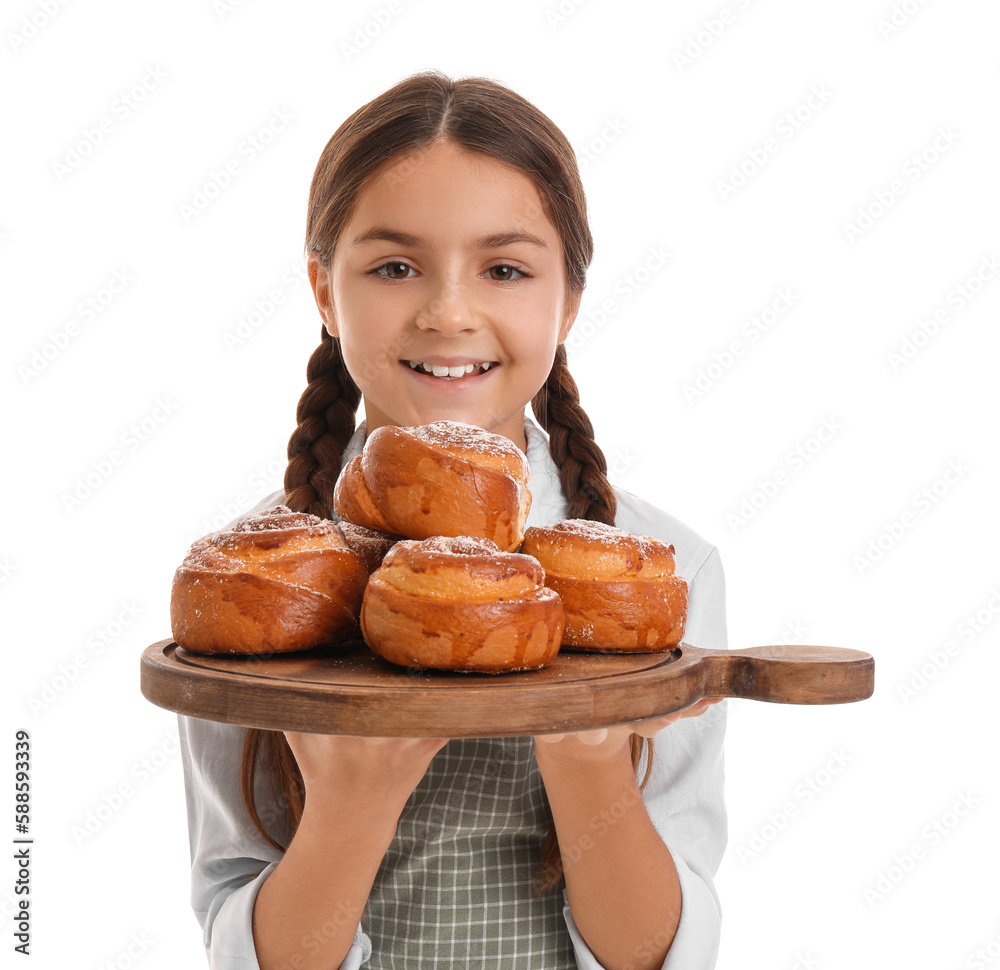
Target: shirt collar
548,503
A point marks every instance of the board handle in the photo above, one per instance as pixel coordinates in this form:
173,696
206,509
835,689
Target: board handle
789,674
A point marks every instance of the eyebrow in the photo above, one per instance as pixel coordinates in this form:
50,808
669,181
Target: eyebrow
495,240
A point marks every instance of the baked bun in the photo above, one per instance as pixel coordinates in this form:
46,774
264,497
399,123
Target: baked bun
460,603
276,581
440,479
619,590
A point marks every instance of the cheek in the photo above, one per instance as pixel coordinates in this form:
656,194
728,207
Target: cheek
364,328
371,356
537,334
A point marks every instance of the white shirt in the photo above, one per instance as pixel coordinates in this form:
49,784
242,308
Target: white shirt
684,796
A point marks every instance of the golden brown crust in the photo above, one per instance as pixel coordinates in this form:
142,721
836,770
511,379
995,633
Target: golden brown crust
427,607
594,550
353,502
620,592
443,478
277,581
644,616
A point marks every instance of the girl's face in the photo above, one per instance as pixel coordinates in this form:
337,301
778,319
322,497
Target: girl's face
448,292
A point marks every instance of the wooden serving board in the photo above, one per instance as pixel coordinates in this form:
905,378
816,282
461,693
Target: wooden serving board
349,690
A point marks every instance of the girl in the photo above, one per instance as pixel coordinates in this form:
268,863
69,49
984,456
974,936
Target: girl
447,245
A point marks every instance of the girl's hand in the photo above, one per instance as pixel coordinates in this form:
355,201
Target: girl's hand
600,743
374,776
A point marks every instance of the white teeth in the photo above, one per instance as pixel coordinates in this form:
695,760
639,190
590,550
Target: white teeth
443,371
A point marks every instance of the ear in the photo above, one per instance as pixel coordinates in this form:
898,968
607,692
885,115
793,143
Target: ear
569,315
319,280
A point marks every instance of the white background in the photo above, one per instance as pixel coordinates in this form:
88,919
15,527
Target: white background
861,835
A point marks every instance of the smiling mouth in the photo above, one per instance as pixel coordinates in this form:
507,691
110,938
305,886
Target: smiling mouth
454,373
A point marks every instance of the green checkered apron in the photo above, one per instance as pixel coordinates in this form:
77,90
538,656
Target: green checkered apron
454,889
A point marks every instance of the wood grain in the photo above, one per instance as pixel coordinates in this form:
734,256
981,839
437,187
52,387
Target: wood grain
348,690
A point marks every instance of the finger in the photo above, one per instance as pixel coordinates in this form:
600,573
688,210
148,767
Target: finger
700,707
654,725
590,738
549,738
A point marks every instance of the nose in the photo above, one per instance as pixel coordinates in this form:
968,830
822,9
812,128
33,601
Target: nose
450,311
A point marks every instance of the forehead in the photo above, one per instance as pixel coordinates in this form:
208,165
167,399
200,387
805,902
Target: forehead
442,189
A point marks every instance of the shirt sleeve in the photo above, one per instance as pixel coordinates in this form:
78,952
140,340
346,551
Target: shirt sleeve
685,796
229,859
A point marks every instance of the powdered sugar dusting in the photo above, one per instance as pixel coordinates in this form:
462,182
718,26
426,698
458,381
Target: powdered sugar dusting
461,545
457,434
476,556
280,517
612,538
607,535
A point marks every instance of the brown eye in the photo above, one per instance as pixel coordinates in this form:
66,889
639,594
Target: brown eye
394,271
504,273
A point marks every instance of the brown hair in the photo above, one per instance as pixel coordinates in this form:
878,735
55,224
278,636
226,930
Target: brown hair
482,116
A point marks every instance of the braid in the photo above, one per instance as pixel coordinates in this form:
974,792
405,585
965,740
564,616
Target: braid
326,415
583,476
582,466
